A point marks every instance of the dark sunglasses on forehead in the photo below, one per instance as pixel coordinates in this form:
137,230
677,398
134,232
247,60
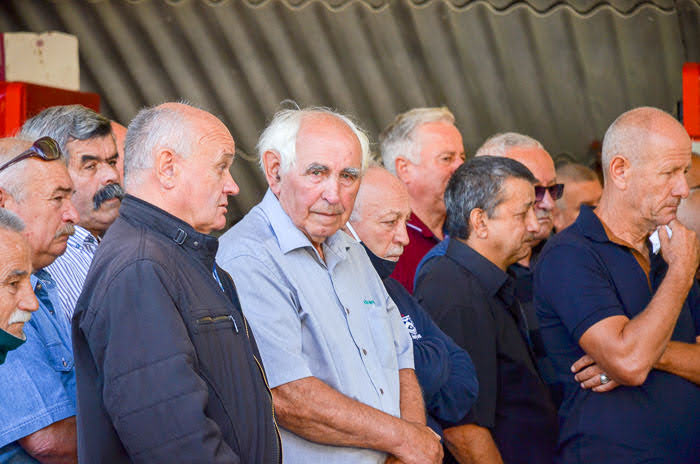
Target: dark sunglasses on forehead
45,148
555,191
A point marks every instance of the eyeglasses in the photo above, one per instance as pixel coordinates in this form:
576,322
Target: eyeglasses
45,148
555,191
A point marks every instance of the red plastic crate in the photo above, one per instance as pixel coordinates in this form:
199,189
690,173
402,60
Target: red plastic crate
691,99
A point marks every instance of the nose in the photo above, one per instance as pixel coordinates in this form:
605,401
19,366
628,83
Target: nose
28,301
458,161
681,188
108,174
401,236
531,221
70,214
230,185
331,191
546,203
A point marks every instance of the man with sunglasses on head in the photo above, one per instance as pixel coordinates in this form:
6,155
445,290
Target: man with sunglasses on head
617,287
38,407
86,140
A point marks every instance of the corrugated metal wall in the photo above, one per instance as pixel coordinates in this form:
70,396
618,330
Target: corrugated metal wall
559,71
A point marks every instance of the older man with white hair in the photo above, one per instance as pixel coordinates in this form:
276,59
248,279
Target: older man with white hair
339,359
37,413
169,371
422,147
603,289
17,299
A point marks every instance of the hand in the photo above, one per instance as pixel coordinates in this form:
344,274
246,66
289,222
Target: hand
588,375
420,446
682,250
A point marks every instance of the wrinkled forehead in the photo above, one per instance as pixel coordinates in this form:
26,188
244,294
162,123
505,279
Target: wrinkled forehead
327,140
43,177
537,160
13,247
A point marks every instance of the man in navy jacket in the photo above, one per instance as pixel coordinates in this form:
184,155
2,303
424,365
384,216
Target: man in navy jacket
444,370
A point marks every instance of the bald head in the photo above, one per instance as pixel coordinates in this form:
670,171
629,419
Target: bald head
382,207
638,134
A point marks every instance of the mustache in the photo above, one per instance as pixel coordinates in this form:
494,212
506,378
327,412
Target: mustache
107,193
66,229
19,316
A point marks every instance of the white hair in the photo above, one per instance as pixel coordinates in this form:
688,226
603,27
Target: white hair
10,221
397,139
159,126
500,144
281,135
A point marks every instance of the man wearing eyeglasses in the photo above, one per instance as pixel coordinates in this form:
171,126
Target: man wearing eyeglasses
38,407
618,287
86,140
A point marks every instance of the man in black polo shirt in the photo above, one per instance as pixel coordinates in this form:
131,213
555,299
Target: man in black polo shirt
490,218
602,288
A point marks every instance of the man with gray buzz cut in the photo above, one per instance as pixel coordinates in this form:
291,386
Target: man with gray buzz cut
339,360
85,137
582,188
422,147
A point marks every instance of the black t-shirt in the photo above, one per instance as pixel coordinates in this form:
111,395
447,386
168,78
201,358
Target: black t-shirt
473,301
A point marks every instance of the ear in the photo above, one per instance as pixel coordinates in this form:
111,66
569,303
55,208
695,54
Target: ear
4,198
477,224
403,169
619,171
167,168
273,170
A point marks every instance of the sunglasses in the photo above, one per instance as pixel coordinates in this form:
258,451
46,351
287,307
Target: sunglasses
555,191
45,148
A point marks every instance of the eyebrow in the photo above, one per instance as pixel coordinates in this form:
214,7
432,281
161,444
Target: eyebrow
352,171
62,190
316,167
18,273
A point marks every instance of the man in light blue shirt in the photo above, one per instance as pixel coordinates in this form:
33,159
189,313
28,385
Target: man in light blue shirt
37,411
338,358
85,138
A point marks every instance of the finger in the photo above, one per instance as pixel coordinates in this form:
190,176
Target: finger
606,387
588,373
582,362
664,239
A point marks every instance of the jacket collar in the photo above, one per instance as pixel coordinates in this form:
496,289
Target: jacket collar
144,214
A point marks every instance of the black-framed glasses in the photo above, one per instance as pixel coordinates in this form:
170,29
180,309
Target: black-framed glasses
45,148
555,191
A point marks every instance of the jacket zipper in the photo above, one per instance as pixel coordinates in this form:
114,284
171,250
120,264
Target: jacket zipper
272,404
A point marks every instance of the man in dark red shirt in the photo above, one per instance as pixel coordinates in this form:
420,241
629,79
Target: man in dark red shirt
423,148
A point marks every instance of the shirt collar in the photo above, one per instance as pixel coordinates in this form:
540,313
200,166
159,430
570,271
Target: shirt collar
142,213
488,274
80,237
289,237
590,225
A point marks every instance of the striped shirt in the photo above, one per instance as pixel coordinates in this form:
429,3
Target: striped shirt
70,269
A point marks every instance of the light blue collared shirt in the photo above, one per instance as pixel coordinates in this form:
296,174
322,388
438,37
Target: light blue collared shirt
332,320
37,381
70,269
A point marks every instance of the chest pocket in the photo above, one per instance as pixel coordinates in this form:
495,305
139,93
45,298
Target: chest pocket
60,357
382,336
205,321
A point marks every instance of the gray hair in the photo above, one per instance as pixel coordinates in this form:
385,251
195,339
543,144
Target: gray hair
478,183
575,172
500,144
281,135
12,179
10,221
66,123
397,138
157,126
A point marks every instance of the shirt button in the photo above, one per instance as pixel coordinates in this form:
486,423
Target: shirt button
381,390
347,311
196,243
64,362
38,286
364,351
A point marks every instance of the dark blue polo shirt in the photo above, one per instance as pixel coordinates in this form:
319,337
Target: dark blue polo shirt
581,278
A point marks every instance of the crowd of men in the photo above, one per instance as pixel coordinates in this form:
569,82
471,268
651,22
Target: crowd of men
417,310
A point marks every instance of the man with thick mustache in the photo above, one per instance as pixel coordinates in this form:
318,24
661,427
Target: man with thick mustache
604,289
87,141
17,299
38,407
